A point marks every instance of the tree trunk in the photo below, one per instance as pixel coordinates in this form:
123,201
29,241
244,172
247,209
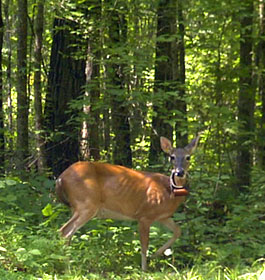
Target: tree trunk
94,111
91,124
94,126
181,125
37,87
169,106
122,153
65,83
22,99
106,121
9,110
2,135
261,85
246,100
84,144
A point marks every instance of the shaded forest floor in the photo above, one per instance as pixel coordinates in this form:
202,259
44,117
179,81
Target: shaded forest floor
213,245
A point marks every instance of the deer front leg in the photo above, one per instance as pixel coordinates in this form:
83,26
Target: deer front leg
170,224
144,228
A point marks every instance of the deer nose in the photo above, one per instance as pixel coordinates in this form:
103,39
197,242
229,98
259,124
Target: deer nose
180,172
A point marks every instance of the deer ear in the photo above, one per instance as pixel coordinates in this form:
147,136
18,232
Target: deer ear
191,147
165,144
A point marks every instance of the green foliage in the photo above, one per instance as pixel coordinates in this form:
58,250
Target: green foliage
220,238
223,230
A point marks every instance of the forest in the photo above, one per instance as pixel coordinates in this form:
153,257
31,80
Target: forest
90,80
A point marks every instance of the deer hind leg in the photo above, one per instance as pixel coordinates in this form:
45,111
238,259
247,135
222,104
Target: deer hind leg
170,224
79,218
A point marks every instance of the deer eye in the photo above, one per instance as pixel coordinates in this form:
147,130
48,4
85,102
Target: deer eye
188,157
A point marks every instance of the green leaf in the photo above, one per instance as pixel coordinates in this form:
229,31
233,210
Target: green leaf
57,257
35,252
180,216
3,249
47,211
10,182
21,250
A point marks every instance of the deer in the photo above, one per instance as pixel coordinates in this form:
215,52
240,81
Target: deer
107,191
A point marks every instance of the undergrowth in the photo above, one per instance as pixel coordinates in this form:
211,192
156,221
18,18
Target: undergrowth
221,238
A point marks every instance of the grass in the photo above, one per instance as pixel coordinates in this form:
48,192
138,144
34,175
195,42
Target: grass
111,250
204,271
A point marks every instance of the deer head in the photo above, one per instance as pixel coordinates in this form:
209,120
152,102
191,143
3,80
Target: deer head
180,159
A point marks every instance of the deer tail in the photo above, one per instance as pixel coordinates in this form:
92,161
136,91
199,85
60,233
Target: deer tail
60,192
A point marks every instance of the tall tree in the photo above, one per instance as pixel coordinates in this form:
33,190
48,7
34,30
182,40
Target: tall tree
38,87
94,111
181,126
169,105
22,98
2,136
120,113
94,54
261,83
65,83
90,130
246,99
9,110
